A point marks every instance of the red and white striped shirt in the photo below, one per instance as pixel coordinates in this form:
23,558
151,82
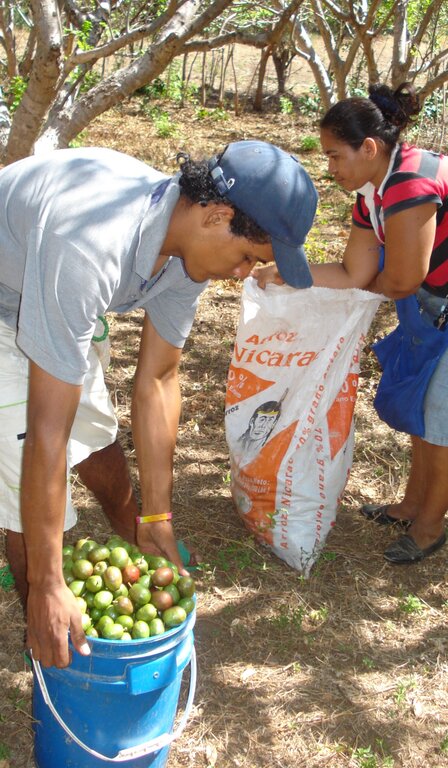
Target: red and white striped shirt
415,176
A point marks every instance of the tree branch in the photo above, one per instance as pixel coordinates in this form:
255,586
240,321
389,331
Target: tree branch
43,83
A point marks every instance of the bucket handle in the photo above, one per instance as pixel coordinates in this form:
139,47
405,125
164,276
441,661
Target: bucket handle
148,747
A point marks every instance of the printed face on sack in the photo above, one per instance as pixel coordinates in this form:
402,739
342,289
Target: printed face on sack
261,424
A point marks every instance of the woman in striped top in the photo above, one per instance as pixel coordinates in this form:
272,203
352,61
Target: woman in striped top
401,209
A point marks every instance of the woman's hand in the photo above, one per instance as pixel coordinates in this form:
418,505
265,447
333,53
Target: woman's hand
265,275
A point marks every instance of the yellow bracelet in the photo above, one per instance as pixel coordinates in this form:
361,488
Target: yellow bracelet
154,518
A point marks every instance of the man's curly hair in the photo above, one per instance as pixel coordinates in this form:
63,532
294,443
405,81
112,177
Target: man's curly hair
196,184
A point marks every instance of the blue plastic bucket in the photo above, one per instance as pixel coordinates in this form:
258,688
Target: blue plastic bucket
116,705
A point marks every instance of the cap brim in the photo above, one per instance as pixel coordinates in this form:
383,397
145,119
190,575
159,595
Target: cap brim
292,264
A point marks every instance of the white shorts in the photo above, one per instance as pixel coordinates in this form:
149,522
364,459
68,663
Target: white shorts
94,427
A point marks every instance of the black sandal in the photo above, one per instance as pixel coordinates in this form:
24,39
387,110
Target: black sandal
378,513
405,551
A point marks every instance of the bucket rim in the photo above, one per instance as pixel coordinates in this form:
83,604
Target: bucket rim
156,642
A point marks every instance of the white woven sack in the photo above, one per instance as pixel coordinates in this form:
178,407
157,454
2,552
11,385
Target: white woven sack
291,392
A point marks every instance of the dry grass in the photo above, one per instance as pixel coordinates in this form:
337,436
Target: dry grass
344,670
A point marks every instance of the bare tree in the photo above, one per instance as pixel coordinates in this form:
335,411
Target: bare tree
351,30
78,60
70,43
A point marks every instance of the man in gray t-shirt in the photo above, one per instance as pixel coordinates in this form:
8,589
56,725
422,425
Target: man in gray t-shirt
90,231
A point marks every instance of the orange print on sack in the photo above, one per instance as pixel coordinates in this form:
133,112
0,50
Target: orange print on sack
242,384
340,415
261,516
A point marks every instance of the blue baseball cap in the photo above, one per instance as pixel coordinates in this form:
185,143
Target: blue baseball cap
273,189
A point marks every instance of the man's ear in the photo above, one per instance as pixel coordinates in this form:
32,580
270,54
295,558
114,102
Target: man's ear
216,214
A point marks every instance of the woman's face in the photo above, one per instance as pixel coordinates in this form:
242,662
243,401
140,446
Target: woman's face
351,168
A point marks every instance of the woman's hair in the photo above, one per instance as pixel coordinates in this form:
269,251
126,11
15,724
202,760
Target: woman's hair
196,184
383,115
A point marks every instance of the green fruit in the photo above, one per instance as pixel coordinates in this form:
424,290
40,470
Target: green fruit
98,553
111,611
68,576
103,599
82,569
186,586
91,632
114,541
95,614
174,616
100,567
122,591
124,606
187,603
175,571
94,583
86,621
154,561
77,587
119,557
145,580
67,550
173,591
102,621
140,630
134,551
82,605
141,563
156,627
79,554
80,543
127,622
126,637
89,545
147,612
113,578
112,632
89,598
139,594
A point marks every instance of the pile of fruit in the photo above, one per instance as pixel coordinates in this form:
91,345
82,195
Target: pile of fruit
124,594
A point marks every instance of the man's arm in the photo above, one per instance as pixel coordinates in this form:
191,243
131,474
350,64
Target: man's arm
51,606
156,404
409,237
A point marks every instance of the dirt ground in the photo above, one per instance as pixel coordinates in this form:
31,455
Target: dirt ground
346,669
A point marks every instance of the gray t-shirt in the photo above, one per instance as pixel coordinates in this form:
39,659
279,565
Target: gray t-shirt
80,232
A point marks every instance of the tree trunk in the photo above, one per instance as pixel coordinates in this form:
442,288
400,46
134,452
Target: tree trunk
305,49
282,60
237,107
183,84
400,44
8,40
258,98
26,63
204,80
372,69
43,83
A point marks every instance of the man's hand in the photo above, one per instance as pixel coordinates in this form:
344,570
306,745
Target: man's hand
51,613
265,275
158,539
